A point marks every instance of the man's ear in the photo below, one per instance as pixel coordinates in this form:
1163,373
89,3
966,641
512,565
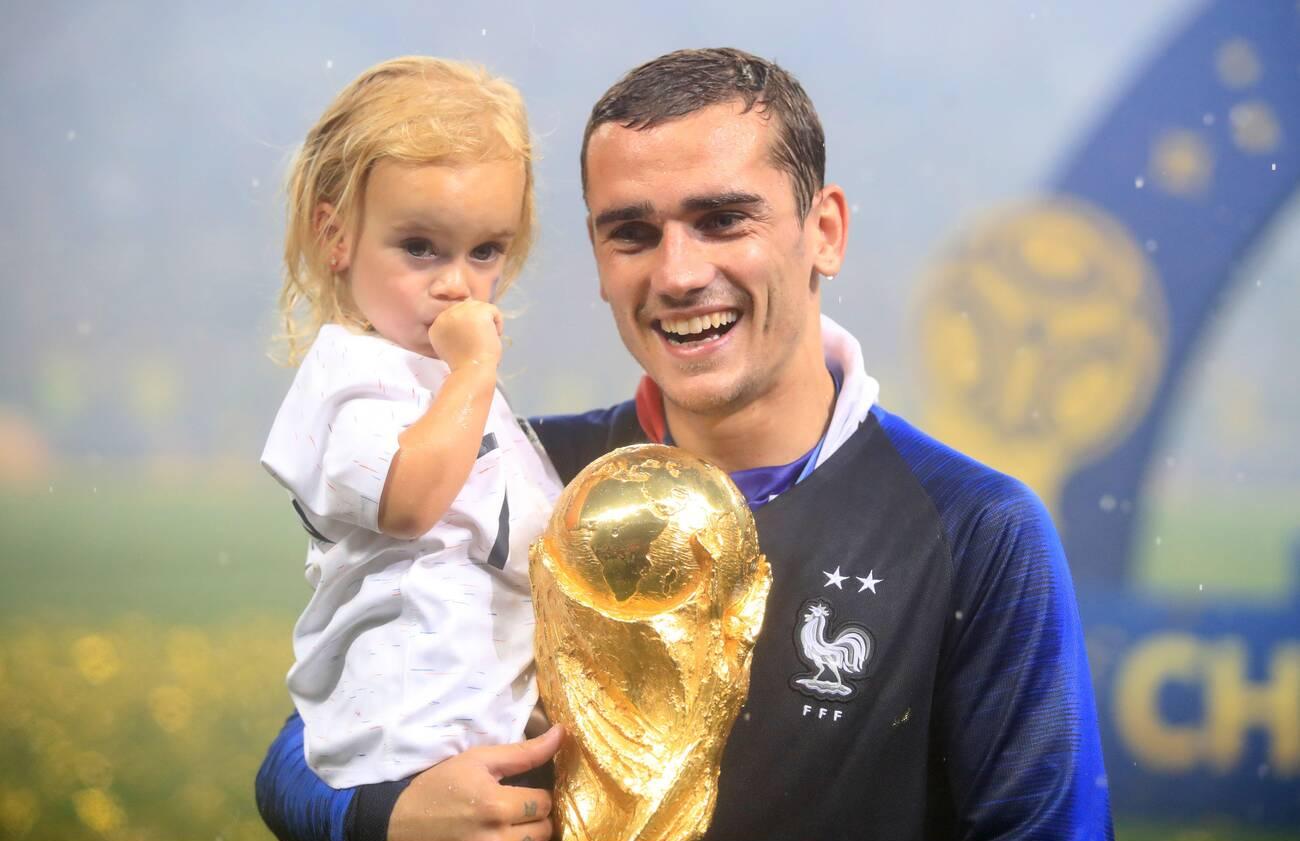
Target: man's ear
329,229
830,219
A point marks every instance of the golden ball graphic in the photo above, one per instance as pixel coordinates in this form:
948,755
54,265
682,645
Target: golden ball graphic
1044,336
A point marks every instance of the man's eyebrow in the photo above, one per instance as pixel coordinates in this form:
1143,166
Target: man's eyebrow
627,213
714,201
692,204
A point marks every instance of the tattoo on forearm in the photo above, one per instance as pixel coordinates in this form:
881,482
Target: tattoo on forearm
530,810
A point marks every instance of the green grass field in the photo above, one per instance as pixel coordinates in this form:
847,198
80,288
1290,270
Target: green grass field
145,635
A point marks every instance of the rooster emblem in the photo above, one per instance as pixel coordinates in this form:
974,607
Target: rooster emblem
845,653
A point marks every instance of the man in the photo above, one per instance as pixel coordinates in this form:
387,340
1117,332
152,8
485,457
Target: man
966,710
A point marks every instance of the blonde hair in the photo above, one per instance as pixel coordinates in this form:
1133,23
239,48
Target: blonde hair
414,110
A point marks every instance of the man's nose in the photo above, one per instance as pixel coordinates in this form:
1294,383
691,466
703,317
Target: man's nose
452,283
682,266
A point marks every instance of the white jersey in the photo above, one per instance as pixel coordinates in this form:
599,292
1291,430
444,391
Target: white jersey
410,651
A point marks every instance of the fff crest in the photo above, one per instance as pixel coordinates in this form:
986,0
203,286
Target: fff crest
834,653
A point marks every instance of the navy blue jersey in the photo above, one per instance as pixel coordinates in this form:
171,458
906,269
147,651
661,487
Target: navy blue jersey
921,670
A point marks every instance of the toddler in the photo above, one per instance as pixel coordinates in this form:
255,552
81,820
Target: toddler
410,210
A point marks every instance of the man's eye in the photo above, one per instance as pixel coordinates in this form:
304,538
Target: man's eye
487,252
724,221
634,233
418,247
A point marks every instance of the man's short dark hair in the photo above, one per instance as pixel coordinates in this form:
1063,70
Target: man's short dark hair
686,81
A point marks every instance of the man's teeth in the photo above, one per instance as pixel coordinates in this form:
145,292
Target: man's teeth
698,324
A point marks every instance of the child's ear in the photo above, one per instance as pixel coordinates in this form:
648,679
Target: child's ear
330,230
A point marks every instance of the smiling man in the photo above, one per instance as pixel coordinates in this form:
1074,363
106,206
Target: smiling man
711,264
921,671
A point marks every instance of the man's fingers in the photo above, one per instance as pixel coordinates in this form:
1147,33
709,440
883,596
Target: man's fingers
525,805
508,760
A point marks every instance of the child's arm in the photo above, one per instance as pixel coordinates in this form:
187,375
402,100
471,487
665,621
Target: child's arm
436,452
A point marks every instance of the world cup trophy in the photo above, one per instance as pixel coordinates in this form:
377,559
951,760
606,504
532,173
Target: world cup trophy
649,590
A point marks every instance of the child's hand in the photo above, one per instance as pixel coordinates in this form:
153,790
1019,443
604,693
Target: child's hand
467,333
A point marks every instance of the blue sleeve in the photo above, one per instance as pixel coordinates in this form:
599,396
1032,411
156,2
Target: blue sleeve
1015,706
295,803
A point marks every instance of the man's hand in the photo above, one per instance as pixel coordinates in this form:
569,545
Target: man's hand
462,799
467,333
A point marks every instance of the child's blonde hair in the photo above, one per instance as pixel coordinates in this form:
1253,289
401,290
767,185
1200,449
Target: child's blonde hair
415,110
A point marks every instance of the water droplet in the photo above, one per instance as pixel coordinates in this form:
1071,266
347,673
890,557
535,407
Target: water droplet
1273,167
958,615
1207,118
1106,503
72,134
1159,540
1139,182
483,32
257,182
1152,246
1200,587
329,64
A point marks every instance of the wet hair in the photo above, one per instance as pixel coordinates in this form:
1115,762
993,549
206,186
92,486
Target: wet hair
412,110
686,81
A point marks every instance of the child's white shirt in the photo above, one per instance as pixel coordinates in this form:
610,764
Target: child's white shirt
409,651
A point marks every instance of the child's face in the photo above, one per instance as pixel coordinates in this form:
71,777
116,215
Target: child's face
430,236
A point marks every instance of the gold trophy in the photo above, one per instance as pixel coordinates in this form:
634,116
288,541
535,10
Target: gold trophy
649,591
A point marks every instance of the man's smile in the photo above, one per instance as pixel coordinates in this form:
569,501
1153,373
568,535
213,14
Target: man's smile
688,329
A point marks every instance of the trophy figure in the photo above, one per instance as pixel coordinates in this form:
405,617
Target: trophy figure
649,591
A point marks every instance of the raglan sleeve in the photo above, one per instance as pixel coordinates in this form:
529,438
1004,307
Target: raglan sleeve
336,433
297,805
1016,712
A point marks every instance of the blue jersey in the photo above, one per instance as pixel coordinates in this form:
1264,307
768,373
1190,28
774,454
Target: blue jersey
920,673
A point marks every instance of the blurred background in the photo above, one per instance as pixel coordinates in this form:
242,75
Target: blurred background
1075,252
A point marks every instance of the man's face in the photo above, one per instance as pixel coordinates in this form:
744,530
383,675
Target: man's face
703,257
